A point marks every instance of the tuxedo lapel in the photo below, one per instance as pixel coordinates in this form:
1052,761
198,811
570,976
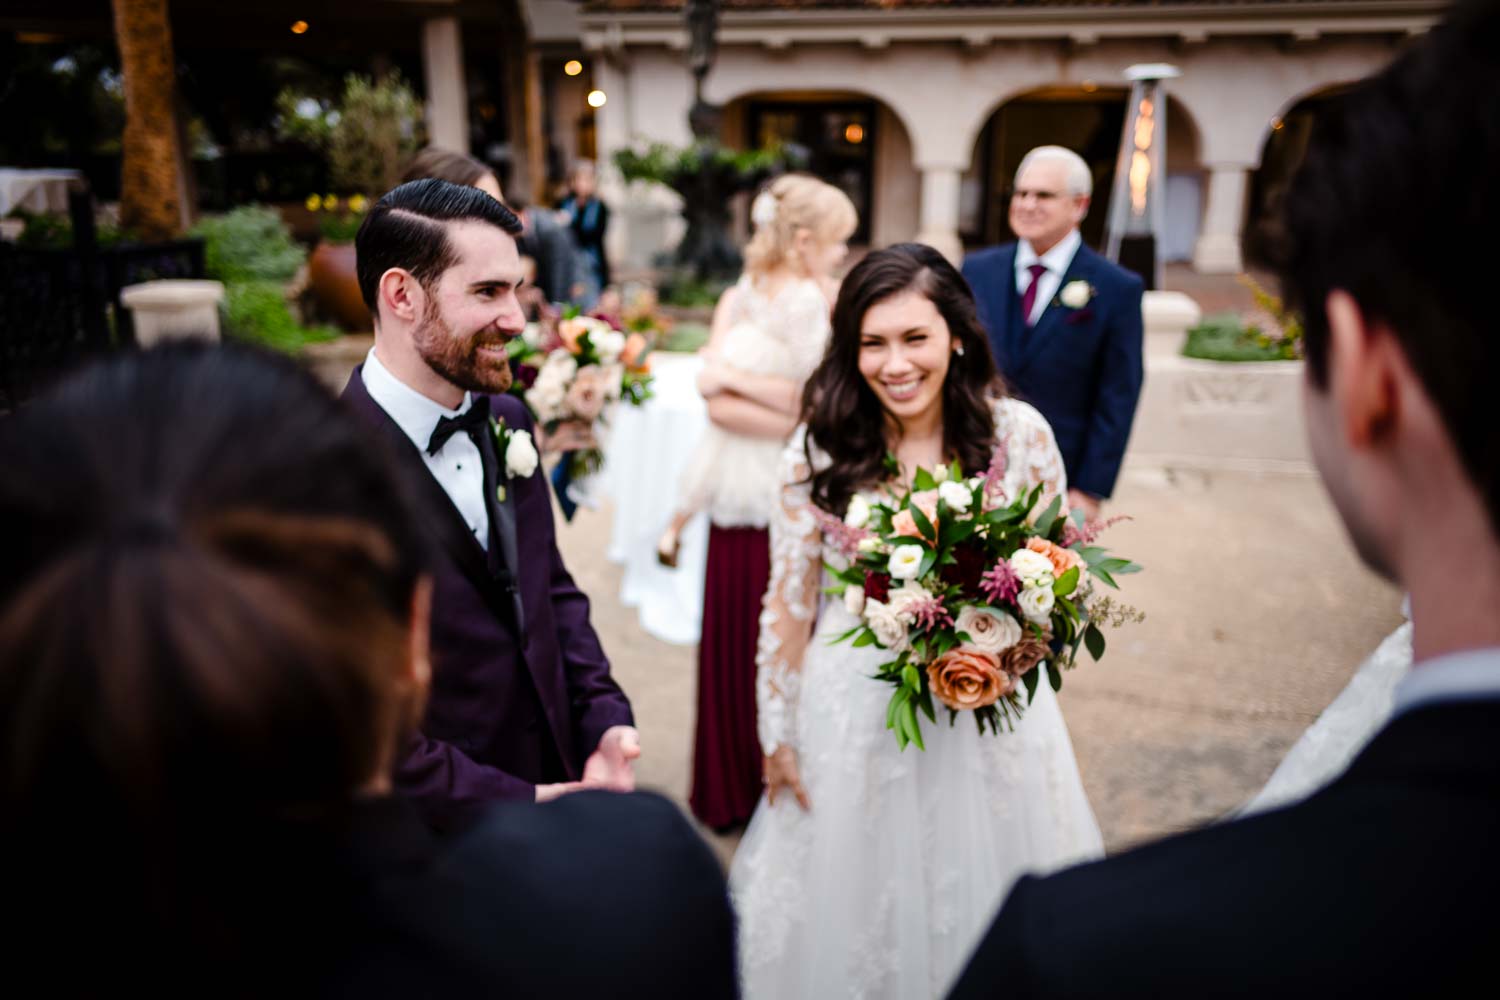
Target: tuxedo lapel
1081,268
503,560
439,517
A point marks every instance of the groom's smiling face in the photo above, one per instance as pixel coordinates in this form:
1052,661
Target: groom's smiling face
471,310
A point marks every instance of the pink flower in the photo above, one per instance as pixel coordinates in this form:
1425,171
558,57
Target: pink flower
903,523
1000,584
838,534
1073,535
995,474
586,396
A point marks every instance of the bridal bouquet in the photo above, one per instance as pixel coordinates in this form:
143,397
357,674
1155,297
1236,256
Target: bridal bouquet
968,596
573,370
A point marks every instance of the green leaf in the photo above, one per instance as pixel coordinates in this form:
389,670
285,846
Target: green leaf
891,708
1049,517
846,636
1117,566
1064,584
1094,640
1030,679
956,472
1103,575
929,560
923,525
925,703
867,639
914,728
923,480
910,678
1054,675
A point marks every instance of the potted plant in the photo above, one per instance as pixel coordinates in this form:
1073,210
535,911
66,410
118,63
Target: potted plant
367,138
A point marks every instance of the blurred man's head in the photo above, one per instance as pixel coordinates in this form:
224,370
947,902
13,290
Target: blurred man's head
438,268
1397,186
1051,196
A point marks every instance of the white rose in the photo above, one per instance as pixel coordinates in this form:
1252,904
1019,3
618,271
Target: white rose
987,631
956,495
858,514
520,454
854,599
532,335
906,560
609,344
546,399
560,365
941,475
1036,604
888,628
614,382
1034,569
903,598
1075,294
869,545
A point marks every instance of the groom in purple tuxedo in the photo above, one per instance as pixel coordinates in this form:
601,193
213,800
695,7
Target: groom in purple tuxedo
522,704
1064,323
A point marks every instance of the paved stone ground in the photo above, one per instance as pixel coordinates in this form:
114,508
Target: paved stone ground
1257,612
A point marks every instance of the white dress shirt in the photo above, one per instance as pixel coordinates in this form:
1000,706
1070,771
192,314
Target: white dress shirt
1056,261
456,466
1470,675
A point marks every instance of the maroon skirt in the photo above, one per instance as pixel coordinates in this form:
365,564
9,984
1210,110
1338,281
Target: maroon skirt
726,750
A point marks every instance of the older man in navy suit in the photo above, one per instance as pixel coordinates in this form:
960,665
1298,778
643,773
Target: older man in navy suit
1064,323
522,703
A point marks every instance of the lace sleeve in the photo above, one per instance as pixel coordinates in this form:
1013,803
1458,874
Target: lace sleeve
1033,453
805,327
790,608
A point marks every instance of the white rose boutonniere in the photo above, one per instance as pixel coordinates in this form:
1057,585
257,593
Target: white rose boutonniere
1076,294
517,450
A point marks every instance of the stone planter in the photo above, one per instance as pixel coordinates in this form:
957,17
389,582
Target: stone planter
335,285
174,309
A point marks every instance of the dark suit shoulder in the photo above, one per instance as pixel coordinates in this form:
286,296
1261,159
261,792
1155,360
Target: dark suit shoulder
1111,276
982,260
510,409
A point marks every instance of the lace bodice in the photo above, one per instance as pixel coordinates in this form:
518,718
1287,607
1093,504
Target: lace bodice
790,609
782,334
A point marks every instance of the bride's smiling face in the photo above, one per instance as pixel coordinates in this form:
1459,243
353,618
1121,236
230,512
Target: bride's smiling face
904,351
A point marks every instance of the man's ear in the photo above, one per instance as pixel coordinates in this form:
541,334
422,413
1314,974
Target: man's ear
1363,372
400,295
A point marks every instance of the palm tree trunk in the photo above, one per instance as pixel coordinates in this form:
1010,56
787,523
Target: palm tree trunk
149,182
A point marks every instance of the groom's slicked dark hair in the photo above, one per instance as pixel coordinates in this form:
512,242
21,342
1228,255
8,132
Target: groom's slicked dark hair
1399,182
408,228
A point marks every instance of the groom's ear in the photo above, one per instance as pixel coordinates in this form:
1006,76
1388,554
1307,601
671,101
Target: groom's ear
400,295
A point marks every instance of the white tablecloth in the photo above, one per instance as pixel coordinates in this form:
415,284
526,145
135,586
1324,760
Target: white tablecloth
39,191
648,448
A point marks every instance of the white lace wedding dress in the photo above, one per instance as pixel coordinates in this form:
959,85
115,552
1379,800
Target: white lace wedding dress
884,887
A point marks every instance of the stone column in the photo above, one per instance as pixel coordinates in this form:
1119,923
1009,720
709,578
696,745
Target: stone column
447,97
1218,248
939,219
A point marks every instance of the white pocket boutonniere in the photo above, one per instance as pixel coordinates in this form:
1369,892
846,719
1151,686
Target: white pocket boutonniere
1076,294
518,451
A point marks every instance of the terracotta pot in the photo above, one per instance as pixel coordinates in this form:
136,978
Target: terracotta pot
335,286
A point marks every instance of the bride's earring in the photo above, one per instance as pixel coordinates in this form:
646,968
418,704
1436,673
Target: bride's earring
959,350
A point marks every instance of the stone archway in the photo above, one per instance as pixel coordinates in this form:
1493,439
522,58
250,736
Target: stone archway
1087,119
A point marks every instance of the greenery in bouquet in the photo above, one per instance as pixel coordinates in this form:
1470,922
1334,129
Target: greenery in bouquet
970,596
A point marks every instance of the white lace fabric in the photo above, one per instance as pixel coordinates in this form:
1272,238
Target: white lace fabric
732,476
883,888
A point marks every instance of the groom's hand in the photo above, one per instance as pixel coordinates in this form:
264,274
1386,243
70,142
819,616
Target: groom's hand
612,764
1079,500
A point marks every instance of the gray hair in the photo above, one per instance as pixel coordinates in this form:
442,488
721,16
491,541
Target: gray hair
1080,178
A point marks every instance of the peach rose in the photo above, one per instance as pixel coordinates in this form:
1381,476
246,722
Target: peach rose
903,523
967,678
586,396
635,346
1061,559
570,330
1021,657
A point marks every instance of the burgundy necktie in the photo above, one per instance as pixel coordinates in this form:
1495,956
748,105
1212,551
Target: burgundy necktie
1029,299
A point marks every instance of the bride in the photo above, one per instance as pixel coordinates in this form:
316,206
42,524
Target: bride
868,871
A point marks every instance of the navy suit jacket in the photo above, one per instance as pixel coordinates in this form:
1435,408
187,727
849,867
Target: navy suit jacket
521,689
1082,368
1382,884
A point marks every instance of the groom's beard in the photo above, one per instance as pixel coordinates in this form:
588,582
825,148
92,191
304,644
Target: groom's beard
456,358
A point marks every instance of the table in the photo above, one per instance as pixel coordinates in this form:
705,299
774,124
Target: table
38,191
647,451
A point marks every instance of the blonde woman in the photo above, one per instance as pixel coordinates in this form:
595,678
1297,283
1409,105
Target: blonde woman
769,331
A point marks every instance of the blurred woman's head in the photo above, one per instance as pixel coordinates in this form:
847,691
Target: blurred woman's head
212,630
453,167
801,223
907,348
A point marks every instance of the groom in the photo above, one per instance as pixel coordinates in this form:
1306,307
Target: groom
522,703
1064,322
1384,883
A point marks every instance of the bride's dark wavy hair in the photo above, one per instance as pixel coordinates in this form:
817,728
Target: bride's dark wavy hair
844,416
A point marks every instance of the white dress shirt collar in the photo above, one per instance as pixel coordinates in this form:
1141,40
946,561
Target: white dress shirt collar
1470,675
1056,261
414,413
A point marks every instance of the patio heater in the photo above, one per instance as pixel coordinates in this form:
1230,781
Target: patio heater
1136,203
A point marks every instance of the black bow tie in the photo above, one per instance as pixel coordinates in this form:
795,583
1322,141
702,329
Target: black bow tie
475,417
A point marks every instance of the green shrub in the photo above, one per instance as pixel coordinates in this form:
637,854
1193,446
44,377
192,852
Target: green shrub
1224,338
250,243
257,311
685,338
46,231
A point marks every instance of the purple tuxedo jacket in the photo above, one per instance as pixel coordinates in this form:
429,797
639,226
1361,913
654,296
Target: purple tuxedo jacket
518,699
